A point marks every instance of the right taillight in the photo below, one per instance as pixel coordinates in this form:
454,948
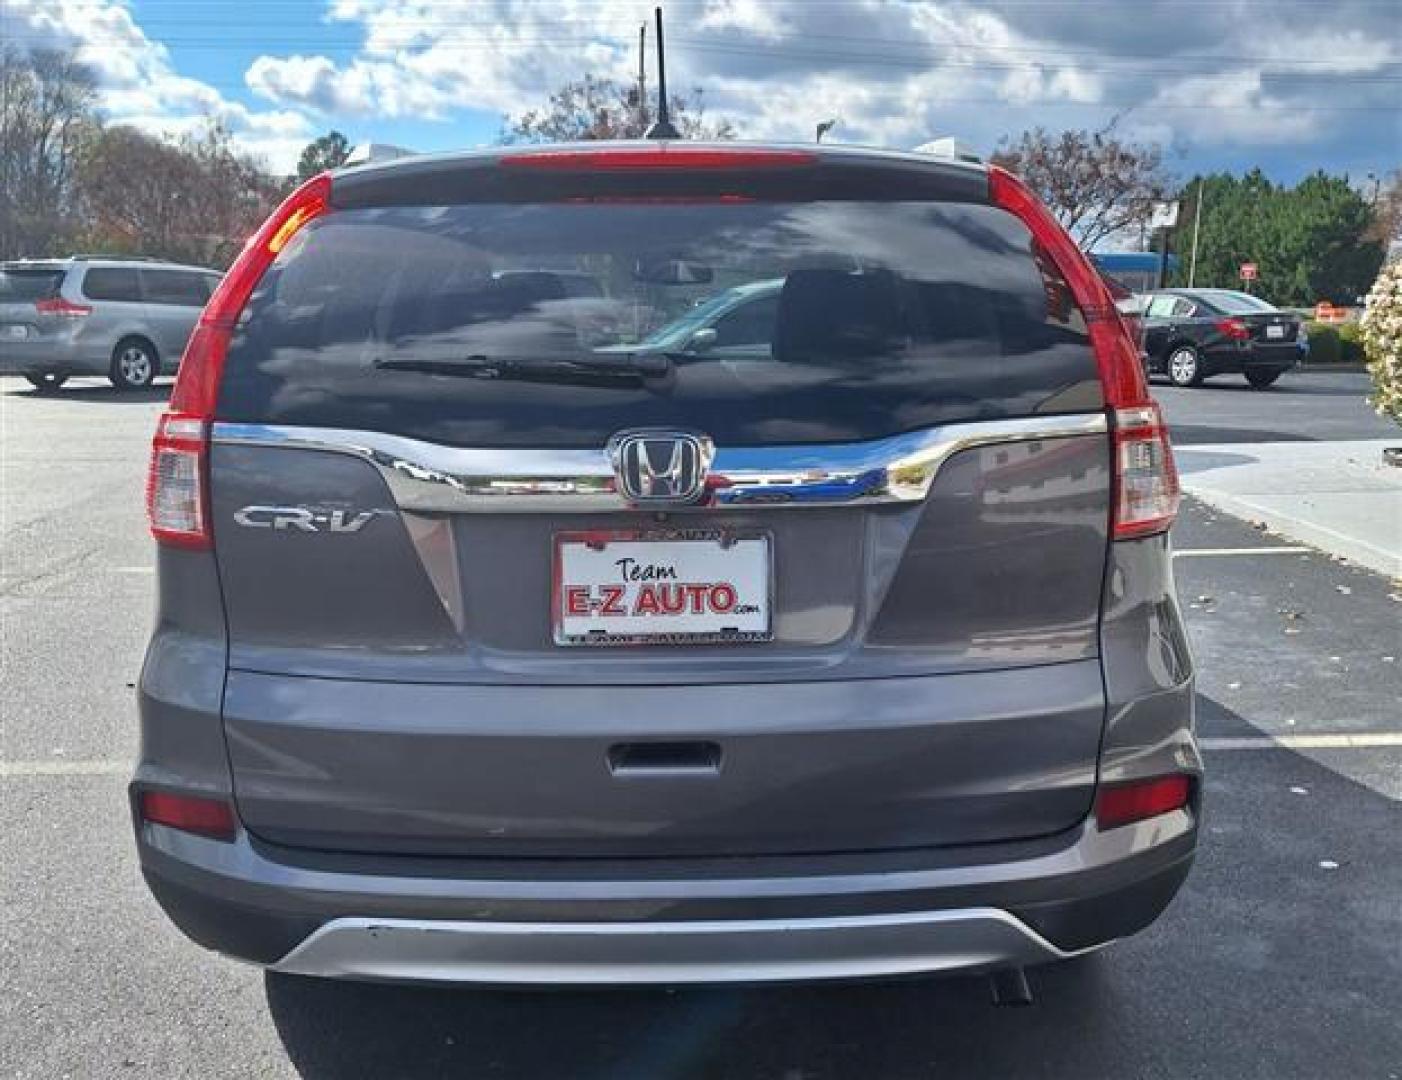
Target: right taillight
1145,495
1146,489
177,496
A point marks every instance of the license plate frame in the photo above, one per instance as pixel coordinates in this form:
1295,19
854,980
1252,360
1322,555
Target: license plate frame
599,540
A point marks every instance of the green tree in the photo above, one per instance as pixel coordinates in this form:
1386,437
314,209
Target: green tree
328,152
1309,242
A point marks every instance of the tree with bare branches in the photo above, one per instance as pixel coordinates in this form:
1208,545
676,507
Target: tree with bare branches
591,108
1097,184
47,114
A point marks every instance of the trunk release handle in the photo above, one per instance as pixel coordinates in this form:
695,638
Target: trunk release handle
664,759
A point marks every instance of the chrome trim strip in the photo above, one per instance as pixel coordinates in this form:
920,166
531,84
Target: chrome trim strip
748,950
428,477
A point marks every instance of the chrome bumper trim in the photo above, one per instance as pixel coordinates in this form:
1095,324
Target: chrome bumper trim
428,477
762,950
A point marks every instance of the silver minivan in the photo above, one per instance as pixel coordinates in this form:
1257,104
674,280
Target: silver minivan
505,638
122,317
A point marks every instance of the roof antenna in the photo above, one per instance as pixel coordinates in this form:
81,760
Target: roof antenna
664,128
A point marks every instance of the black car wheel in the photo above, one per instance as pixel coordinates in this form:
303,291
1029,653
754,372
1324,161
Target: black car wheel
46,382
134,364
1262,378
1184,366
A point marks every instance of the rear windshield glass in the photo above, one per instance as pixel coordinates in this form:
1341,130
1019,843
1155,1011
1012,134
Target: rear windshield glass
20,286
1235,303
756,323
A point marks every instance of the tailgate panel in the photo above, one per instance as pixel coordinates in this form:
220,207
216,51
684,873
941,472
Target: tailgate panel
803,767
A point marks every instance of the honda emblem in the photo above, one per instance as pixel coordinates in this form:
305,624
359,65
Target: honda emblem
661,468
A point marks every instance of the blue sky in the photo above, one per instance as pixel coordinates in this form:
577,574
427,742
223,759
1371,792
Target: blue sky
1216,83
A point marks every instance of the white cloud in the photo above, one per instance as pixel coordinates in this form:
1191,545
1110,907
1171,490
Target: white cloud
1233,107
138,84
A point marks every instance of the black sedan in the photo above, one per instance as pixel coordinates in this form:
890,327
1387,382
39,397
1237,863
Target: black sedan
1192,334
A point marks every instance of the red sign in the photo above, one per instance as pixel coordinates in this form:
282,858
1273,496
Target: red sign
1248,271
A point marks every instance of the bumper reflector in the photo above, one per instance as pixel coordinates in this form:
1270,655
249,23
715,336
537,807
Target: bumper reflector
189,813
1123,804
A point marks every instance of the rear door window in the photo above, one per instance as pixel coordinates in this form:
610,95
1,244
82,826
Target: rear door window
111,283
512,325
183,288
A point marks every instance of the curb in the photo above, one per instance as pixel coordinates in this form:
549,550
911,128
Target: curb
1318,536
1357,369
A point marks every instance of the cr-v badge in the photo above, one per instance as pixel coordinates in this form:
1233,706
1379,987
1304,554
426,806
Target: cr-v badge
302,518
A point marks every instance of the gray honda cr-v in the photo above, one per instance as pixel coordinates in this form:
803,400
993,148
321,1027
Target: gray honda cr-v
498,642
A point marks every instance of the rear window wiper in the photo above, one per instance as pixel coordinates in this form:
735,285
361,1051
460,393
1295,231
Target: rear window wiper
640,364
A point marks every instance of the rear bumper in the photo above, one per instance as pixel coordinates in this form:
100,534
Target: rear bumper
756,950
742,920
1236,360
60,355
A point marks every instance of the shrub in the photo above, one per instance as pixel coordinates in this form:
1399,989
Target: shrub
1382,340
1351,343
1325,347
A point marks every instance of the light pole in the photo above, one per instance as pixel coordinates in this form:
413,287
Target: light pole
1197,224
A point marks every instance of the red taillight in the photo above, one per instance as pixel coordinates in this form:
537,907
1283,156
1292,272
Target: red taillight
197,385
177,497
1124,804
1145,479
1146,488
1233,329
57,305
1116,352
189,813
663,156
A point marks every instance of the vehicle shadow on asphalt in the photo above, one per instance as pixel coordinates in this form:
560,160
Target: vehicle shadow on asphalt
101,393
1267,964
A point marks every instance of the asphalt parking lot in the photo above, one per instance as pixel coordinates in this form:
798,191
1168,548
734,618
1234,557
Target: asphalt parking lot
1282,957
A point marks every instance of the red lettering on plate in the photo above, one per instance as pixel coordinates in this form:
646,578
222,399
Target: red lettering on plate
723,598
672,598
696,595
577,600
646,603
611,600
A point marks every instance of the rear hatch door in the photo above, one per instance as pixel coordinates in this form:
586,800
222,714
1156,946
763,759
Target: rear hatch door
843,596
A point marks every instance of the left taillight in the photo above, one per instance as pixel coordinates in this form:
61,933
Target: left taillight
177,486
57,305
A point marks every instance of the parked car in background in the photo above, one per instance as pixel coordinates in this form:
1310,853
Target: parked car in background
735,324
123,317
1192,334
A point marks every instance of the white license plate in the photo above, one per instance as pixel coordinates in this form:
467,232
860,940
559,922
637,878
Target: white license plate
1275,331
16,332
625,589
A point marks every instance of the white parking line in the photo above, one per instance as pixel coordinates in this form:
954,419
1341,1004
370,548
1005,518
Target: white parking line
1197,553
133,569
1369,741
65,768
